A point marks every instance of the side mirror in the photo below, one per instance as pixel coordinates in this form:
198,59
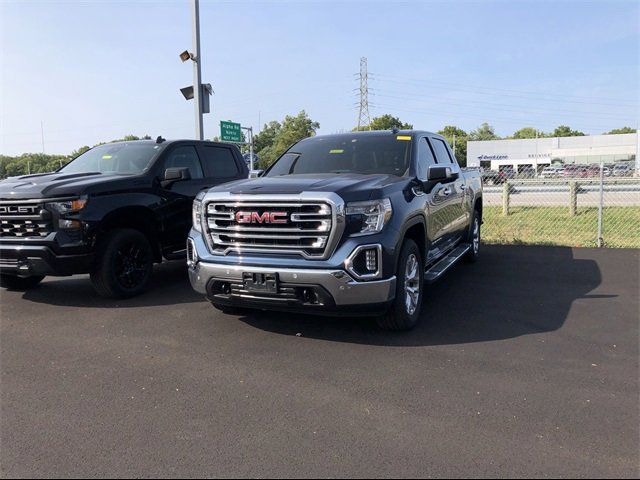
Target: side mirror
256,173
441,173
173,175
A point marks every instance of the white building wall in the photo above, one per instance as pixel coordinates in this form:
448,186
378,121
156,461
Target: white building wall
541,151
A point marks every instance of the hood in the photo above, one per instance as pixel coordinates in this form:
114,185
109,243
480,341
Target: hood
349,186
51,185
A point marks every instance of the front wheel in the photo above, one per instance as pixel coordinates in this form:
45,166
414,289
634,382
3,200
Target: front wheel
123,265
13,282
404,313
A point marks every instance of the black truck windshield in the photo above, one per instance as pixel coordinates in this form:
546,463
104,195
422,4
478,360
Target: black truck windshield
120,158
351,153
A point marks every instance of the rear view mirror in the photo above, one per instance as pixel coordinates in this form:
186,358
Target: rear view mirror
441,173
256,173
172,175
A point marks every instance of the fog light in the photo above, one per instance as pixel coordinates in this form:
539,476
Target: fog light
371,260
69,224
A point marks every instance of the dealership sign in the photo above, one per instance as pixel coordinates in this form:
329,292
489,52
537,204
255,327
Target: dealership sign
493,157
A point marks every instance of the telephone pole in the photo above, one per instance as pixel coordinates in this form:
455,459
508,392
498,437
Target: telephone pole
364,120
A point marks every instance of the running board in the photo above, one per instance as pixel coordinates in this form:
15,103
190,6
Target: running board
434,272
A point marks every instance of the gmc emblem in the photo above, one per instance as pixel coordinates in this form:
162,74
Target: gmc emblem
17,209
266,217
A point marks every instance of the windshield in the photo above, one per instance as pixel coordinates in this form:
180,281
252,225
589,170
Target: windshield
120,158
352,153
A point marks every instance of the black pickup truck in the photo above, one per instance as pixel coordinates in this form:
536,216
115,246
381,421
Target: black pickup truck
339,224
111,212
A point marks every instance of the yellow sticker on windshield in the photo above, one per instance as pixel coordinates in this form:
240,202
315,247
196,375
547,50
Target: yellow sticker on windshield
404,137
336,151
106,157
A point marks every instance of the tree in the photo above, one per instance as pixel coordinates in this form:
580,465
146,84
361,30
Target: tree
528,132
387,122
276,137
457,138
618,131
565,131
483,132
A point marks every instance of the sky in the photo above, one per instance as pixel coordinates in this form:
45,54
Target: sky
82,72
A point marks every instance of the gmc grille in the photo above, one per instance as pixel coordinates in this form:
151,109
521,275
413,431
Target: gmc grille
285,227
26,219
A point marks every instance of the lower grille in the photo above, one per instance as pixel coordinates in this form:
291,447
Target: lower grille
26,219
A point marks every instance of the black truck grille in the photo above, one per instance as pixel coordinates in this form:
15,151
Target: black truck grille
284,227
26,219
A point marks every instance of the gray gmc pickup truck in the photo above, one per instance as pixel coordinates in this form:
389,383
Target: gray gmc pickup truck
344,224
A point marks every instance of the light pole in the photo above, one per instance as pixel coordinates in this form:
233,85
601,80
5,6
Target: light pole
197,71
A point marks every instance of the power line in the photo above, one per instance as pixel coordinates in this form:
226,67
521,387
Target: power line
504,92
364,119
501,106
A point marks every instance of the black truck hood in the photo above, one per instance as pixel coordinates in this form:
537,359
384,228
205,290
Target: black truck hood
349,186
53,185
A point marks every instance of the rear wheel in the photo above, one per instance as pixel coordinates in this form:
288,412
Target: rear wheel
473,238
123,265
404,313
13,282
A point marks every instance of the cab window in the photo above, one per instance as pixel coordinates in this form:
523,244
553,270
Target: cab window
441,151
425,158
185,157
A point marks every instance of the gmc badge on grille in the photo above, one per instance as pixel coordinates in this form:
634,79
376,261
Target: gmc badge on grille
265,217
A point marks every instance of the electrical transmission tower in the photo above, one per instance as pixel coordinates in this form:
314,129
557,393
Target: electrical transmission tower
364,119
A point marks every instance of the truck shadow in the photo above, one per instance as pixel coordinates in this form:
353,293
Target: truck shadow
169,286
511,291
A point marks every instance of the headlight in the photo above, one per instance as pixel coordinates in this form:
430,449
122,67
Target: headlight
197,215
68,206
373,213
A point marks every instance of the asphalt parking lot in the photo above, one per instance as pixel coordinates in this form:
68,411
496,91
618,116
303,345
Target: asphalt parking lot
526,364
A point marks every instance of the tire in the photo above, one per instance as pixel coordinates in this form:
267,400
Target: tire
123,265
404,313
473,237
13,282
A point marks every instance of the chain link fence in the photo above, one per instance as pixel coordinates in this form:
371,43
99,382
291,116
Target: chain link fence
579,212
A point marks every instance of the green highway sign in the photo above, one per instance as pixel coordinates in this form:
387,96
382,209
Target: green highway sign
230,132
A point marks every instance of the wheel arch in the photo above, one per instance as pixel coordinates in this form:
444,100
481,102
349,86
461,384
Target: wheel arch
138,218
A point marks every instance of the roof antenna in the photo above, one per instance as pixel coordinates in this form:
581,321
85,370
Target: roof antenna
160,139
394,130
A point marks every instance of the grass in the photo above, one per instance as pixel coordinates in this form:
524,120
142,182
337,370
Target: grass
554,226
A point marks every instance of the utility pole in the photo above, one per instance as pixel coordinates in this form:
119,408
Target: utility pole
197,70
364,120
42,134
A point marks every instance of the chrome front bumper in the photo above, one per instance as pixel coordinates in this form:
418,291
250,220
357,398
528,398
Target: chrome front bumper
338,283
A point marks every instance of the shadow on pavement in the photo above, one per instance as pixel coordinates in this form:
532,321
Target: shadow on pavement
511,291
169,286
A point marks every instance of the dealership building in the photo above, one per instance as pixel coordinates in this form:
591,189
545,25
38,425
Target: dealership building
540,152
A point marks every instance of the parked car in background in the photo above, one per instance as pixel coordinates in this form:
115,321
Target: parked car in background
492,177
622,170
527,172
111,212
552,171
342,224
575,171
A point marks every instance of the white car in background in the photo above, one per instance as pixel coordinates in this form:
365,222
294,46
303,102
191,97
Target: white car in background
552,171
622,170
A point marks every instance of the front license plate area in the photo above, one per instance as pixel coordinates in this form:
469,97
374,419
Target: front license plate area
260,282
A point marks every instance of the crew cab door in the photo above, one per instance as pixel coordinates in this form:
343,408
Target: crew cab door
178,197
449,196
